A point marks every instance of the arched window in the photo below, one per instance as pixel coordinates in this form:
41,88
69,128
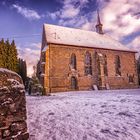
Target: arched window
117,65
73,61
105,66
73,83
88,64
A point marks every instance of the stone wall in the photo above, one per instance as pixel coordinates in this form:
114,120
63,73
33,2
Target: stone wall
12,107
59,73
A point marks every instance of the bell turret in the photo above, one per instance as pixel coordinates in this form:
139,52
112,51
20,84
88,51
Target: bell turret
99,25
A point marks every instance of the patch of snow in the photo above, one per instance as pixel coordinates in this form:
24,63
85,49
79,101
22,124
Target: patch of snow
45,48
42,75
15,136
15,83
8,71
70,36
19,86
4,88
43,63
100,54
85,115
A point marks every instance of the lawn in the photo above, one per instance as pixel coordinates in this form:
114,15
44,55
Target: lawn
85,115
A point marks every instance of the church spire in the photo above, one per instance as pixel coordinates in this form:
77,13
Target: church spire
99,25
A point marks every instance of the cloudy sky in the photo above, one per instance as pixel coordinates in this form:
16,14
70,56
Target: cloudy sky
22,20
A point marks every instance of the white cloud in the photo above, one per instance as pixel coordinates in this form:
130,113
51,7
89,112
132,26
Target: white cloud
3,3
87,26
27,13
118,17
74,22
30,55
70,12
53,15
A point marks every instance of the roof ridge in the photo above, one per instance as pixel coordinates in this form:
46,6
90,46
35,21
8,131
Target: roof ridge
70,28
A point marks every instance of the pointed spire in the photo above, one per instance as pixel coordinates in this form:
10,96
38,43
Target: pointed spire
99,25
98,17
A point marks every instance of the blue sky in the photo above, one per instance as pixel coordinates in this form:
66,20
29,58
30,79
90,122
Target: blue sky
22,20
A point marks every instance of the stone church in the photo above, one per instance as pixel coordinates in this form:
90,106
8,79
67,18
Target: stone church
74,59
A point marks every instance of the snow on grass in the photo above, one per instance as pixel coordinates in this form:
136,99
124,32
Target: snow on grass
85,115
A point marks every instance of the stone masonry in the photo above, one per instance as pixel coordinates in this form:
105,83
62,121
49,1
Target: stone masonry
12,107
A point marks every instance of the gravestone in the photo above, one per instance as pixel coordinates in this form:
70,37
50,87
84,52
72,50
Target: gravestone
95,87
107,86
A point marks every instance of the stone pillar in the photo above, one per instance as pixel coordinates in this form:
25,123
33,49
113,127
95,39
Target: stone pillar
102,76
12,107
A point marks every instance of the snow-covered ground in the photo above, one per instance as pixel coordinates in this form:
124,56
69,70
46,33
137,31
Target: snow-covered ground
85,115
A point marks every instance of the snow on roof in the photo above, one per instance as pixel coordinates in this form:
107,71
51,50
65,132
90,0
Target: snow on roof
76,37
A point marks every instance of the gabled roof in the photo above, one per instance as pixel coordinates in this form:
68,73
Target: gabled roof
76,37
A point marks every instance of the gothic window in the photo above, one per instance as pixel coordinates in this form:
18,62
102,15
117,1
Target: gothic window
73,61
88,64
105,66
117,65
73,83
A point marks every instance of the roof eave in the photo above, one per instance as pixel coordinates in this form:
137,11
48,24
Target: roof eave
95,47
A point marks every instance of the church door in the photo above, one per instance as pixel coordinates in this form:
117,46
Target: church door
73,83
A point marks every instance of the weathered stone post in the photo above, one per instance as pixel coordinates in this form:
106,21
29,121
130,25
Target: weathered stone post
12,107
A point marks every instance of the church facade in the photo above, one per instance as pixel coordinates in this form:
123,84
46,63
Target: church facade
74,59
